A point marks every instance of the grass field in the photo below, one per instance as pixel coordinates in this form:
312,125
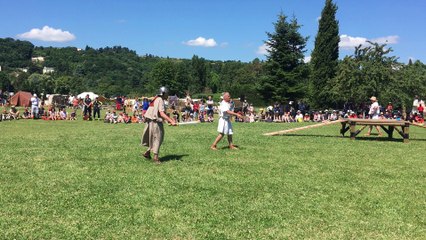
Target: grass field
88,180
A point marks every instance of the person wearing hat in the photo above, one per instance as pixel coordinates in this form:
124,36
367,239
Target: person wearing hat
374,114
153,133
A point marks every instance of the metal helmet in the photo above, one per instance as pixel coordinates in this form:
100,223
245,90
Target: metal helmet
162,91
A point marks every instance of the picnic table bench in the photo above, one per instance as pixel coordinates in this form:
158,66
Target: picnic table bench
386,124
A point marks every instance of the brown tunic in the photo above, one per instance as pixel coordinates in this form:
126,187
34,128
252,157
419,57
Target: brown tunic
153,133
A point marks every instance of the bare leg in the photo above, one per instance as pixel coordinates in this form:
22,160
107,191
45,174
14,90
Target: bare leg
378,130
231,146
218,138
369,131
156,160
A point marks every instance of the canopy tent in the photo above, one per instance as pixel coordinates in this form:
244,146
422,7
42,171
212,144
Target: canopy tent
21,98
91,95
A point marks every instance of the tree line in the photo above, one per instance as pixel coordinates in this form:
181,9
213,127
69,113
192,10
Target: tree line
323,82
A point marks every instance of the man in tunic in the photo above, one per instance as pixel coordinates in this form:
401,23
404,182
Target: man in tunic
153,134
225,126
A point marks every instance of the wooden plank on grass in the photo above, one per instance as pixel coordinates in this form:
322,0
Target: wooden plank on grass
305,127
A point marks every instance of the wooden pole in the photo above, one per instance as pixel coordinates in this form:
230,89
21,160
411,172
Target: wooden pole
418,125
302,128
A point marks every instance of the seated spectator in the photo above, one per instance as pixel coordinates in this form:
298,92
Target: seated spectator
5,116
73,115
307,118
210,118
63,114
299,116
134,118
287,117
14,113
333,116
352,115
126,118
317,117
26,114
418,118
52,113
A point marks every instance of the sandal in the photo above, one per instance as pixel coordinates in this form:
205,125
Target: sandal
156,161
147,155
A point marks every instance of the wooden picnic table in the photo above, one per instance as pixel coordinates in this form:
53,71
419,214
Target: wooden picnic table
387,125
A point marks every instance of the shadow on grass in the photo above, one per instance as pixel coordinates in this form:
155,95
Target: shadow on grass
171,157
371,138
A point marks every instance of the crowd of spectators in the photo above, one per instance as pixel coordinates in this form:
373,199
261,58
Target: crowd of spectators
202,110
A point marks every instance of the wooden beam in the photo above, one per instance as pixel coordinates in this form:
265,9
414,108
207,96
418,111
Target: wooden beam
418,125
302,128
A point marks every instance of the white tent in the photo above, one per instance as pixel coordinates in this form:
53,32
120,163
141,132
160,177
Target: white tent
91,95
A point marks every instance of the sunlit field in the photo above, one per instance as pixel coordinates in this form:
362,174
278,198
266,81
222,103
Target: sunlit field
88,180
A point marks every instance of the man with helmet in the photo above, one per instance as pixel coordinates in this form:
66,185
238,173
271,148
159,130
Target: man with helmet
153,133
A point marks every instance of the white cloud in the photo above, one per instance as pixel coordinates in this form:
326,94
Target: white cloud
307,59
262,50
201,42
348,42
48,34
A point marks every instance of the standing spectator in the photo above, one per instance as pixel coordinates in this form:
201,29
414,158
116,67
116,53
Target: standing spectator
136,107
118,103
87,103
75,103
196,109
415,104
245,107
210,104
202,109
374,114
34,106
145,106
420,109
97,109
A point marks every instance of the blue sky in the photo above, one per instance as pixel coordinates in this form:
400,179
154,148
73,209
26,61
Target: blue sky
215,30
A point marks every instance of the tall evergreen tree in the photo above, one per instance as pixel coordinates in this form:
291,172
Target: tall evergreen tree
325,55
285,66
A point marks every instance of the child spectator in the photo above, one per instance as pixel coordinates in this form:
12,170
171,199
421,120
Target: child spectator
63,114
73,116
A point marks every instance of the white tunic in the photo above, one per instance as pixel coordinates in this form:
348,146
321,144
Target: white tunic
224,125
374,110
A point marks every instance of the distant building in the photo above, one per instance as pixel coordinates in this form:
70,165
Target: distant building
37,59
47,70
23,69
0,68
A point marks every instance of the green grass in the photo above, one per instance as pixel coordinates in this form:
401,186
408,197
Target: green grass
88,180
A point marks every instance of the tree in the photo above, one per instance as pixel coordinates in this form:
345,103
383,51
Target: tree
285,67
370,72
325,55
199,67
